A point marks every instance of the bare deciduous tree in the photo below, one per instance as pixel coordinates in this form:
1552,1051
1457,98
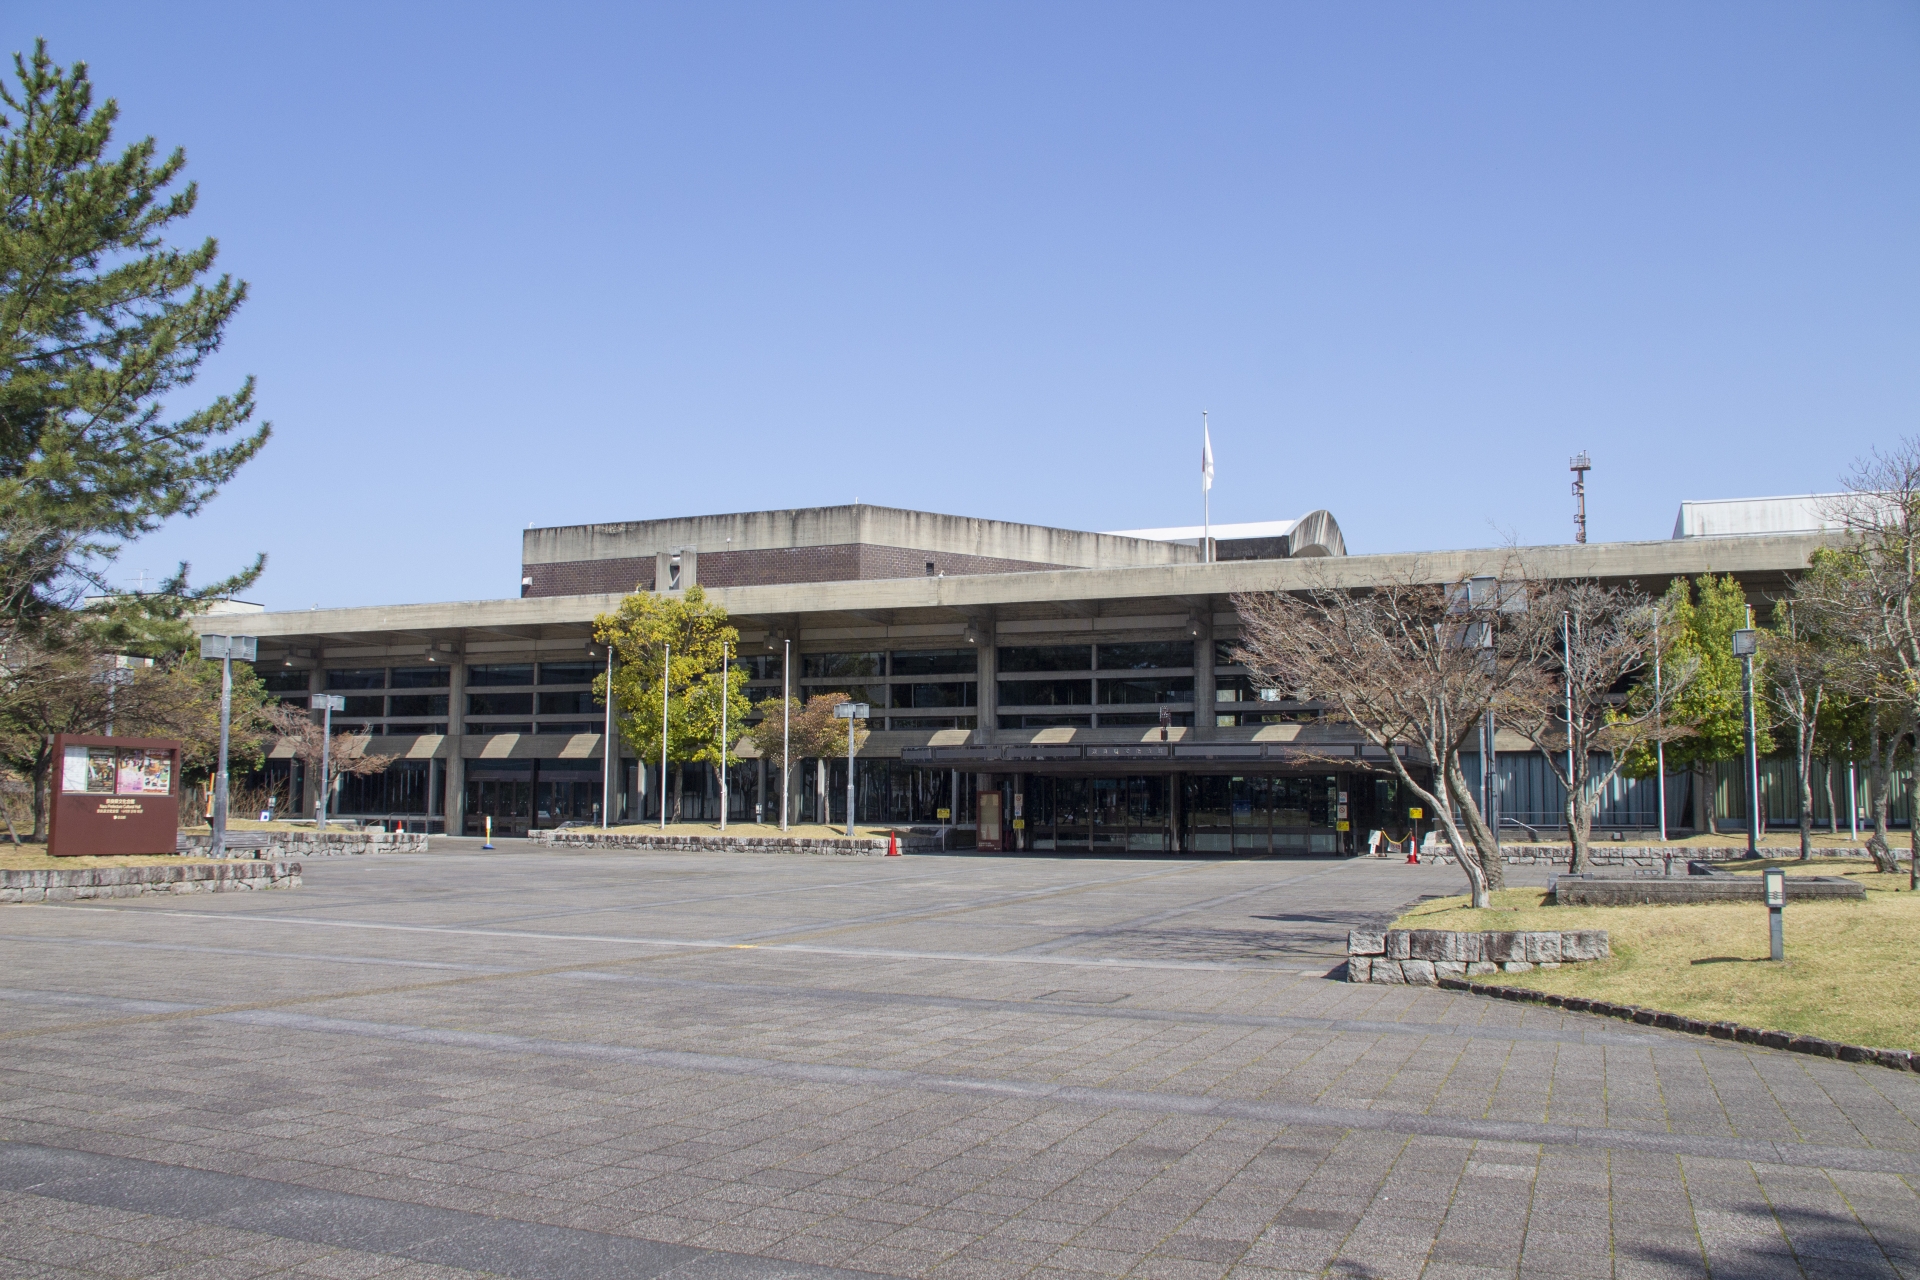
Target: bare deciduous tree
1410,663
1588,702
346,755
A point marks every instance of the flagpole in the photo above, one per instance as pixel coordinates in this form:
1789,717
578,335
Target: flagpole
1206,490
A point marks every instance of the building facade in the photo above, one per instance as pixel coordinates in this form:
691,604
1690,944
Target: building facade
1035,688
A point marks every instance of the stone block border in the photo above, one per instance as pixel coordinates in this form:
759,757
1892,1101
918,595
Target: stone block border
304,844
1604,853
1898,1059
62,884
855,848
1427,957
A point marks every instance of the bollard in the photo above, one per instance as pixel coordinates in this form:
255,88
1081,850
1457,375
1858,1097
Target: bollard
1776,906
489,843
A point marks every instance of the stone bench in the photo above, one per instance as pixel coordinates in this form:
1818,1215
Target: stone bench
1421,957
1598,889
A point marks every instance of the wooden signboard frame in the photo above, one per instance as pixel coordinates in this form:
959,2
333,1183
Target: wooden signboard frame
113,796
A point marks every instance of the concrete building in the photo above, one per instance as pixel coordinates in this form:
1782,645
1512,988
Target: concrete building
1035,687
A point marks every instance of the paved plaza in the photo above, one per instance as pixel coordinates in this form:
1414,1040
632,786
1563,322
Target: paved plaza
543,1064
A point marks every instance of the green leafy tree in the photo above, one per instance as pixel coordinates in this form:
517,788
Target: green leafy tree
101,321
1697,636
684,639
816,733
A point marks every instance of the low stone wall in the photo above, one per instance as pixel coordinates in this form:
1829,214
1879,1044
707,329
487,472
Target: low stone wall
1421,957
670,843
63,884
1602,890
1605,853
304,844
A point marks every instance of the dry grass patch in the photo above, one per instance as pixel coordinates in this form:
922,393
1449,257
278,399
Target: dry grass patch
34,857
1850,972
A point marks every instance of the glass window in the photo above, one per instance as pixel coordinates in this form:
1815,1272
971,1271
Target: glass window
933,722
366,678
1149,689
1231,688
422,727
1058,657
499,728
1046,693
499,704
416,704
499,673
1145,657
936,662
284,679
366,706
1223,653
551,726
421,677
569,672
874,695
1045,722
834,665
936,695
578,703
1133,719
757,666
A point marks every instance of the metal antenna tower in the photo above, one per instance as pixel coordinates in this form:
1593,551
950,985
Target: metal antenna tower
1580,465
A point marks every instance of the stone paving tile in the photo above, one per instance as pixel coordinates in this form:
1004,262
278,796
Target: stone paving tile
1113,975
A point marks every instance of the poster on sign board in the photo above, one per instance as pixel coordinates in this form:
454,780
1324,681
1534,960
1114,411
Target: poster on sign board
117,796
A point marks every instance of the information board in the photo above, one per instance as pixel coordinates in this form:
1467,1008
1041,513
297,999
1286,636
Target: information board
114,796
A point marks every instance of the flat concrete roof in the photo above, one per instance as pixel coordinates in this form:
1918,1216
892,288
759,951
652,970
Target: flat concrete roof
1134,595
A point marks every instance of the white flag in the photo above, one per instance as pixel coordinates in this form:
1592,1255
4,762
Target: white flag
1206,458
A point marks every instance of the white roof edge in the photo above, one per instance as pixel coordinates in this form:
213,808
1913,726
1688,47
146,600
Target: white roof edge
1255,529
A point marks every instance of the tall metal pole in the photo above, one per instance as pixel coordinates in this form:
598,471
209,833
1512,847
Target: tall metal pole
723,735
664,666
218,846
850,723
1566,643
1659,745
786,735
608,752
1753,753
326,746
1853,803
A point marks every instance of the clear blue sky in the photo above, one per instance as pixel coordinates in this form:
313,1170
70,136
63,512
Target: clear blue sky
566,263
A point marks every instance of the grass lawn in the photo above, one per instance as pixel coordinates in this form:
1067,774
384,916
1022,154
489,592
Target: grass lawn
1851,974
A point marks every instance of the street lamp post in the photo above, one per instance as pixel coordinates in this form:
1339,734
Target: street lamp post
786,735
225,648
666,665
850,712
328,704
1745,642
723,735
608,752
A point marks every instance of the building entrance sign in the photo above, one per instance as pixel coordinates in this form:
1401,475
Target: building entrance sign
114,796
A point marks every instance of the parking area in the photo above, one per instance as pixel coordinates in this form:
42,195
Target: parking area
533,1064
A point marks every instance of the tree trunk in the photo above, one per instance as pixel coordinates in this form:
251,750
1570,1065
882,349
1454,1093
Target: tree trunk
1803,765
679,787
1579,822
1703,798
1880,799
1833,810
42,774
1490,871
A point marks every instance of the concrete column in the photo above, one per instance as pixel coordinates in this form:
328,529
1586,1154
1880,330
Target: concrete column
456,805
1203,682
989,709
316,685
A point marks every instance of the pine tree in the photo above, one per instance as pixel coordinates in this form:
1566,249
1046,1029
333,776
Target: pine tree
101,321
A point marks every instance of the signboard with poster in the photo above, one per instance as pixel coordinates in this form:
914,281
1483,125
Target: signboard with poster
114,796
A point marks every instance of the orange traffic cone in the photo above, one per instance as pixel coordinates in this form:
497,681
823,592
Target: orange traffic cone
893,844
1413,853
